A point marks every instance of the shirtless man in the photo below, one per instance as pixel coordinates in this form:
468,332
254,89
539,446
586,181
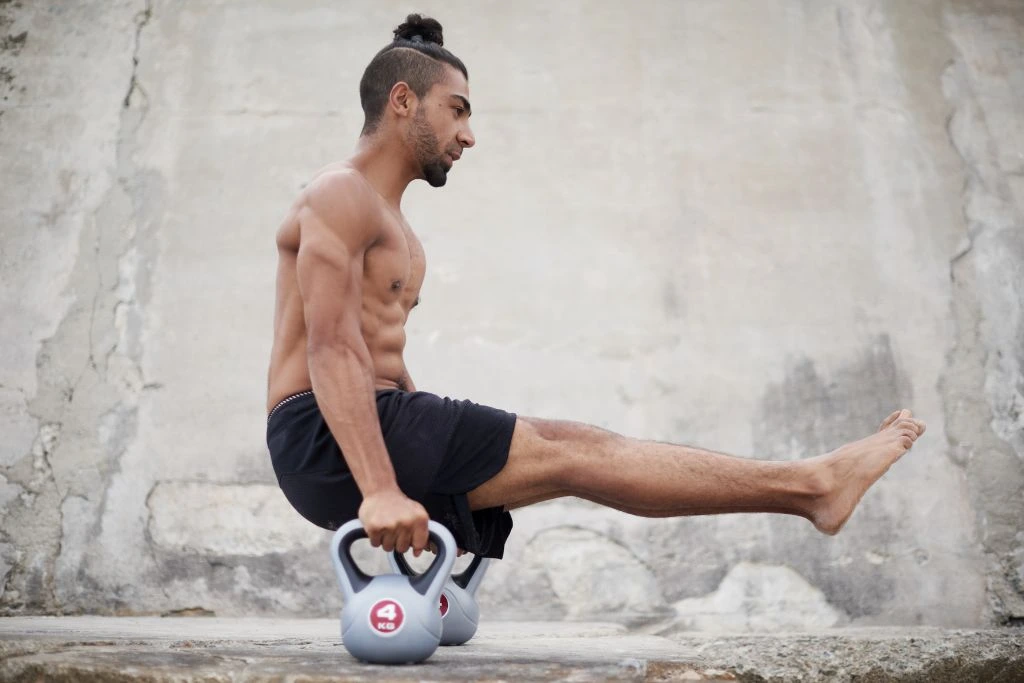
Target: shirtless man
350,435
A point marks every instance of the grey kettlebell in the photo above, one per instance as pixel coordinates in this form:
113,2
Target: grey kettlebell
390,619
460,613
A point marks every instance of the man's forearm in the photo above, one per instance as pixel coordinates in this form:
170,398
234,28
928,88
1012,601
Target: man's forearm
343,383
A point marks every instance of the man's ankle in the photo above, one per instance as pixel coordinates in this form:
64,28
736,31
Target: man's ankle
811,479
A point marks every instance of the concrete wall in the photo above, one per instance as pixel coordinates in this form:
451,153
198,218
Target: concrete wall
757,227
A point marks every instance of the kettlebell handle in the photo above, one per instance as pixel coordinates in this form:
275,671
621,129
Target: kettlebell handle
468,580
472,576
352,579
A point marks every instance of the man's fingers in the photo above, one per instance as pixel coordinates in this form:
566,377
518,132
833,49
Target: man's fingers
420,538
402,540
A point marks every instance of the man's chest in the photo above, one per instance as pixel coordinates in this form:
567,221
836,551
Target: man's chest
396,263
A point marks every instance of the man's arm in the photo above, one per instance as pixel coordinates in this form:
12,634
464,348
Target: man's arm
336,228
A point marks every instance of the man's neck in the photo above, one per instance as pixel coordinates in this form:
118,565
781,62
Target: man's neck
386,166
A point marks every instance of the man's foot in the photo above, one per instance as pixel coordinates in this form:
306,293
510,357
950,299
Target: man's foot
847,472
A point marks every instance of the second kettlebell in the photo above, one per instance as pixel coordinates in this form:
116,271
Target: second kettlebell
459,611
390,619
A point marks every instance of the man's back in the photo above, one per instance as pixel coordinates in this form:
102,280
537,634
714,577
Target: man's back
343,252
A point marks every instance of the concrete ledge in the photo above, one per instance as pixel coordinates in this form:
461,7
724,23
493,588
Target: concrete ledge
216,649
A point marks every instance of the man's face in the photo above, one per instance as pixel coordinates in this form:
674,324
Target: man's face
439,129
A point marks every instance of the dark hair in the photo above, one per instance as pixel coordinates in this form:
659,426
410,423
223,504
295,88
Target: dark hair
416,56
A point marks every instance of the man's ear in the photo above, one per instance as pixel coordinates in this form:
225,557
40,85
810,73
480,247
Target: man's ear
401,99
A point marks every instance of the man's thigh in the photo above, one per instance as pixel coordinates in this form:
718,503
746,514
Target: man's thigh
543,460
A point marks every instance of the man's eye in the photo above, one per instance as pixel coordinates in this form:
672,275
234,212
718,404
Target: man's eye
459,110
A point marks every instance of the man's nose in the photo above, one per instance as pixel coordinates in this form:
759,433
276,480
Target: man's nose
466,138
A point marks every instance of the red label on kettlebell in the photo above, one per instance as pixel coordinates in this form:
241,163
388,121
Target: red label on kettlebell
444,604
387,617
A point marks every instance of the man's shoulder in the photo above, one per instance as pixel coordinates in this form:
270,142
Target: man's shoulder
338,183
341,199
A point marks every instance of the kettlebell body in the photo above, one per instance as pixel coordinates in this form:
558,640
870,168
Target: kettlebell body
390,619
460,613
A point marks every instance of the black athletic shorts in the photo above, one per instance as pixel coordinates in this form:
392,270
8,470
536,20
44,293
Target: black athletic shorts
440,448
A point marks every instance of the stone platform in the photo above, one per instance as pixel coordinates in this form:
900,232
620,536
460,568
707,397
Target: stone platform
155,649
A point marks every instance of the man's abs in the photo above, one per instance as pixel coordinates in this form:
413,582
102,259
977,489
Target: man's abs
289,362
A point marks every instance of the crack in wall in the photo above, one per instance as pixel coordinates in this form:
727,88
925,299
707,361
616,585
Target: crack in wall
141,20
128,291
125,295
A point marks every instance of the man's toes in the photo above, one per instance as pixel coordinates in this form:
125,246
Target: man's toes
889,420
917,426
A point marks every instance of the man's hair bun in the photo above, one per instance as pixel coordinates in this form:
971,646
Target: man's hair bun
426,29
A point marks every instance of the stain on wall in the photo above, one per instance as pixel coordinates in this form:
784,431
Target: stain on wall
809,414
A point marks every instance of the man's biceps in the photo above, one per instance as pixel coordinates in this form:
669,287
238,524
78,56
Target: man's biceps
346,231
316,270
328,286
324,248
328,298
328,319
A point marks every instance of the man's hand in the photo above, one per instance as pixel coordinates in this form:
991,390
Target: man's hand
394,521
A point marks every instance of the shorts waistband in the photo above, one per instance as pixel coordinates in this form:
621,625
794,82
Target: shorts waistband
289,399
309,392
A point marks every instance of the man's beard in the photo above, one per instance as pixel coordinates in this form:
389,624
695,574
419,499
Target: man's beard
425,146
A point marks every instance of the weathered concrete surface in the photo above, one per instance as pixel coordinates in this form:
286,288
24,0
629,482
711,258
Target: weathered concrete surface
985,85
759,598
211,649
757,227
68,381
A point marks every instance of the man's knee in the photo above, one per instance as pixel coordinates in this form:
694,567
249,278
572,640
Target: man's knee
539,449
563,449
537,466
547,459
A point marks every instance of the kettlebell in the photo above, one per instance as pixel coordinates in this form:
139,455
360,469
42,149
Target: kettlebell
460,613
390,619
